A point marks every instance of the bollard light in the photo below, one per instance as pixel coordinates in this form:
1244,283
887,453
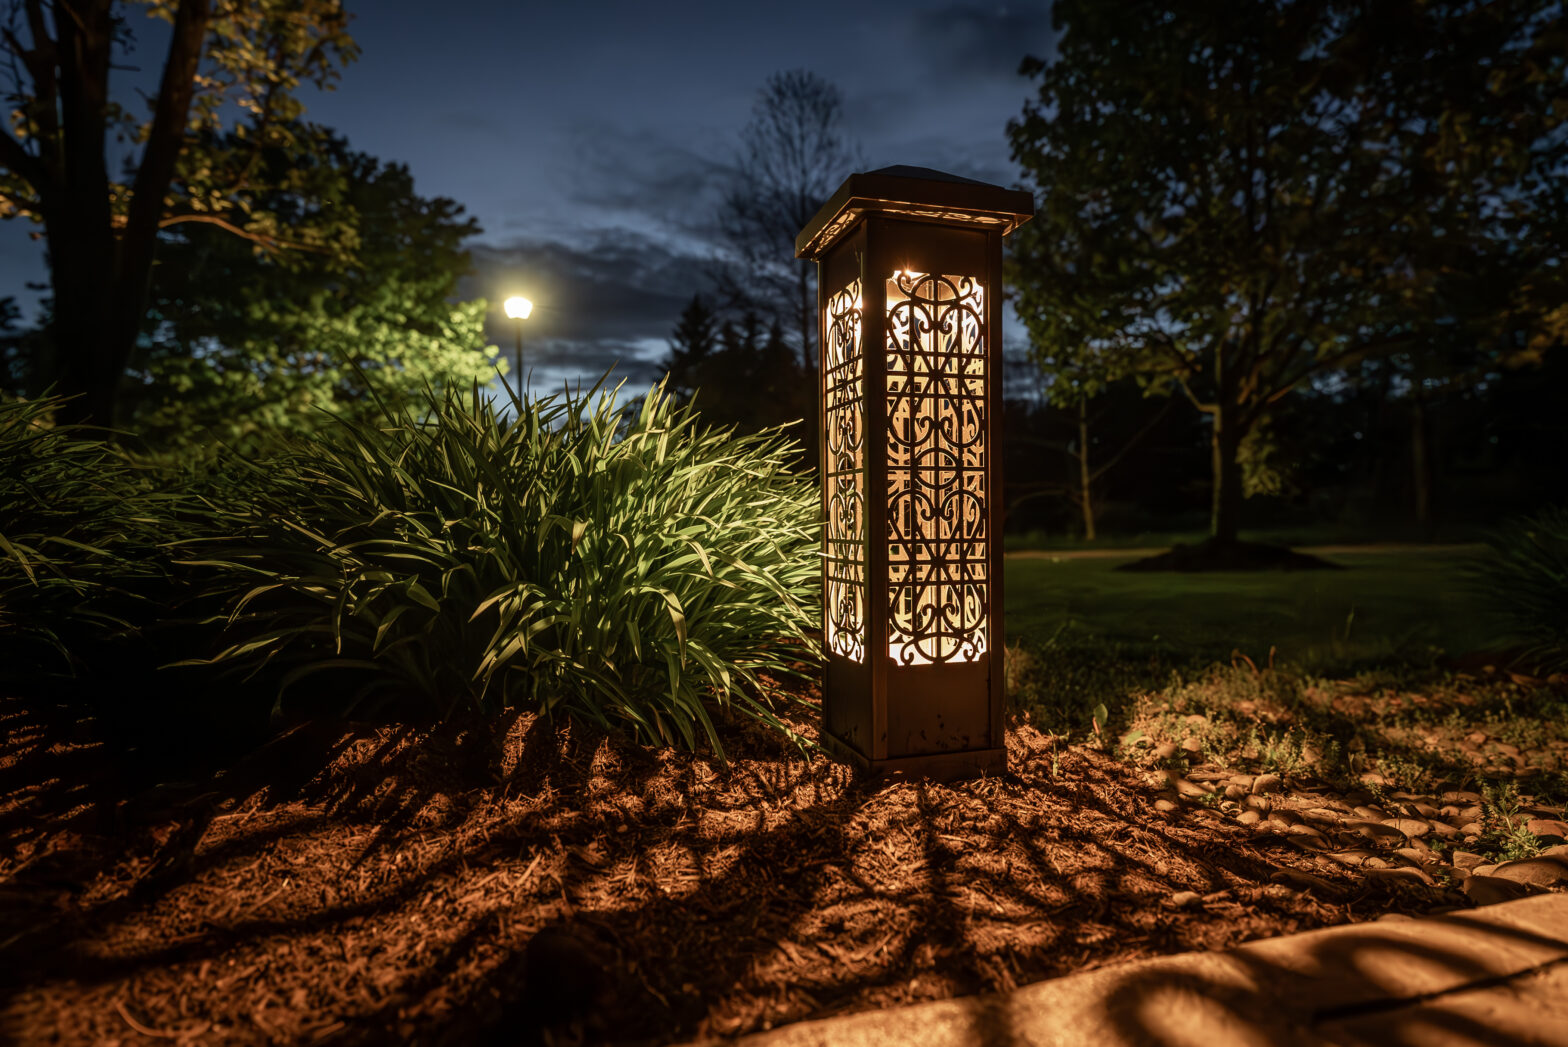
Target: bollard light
909,290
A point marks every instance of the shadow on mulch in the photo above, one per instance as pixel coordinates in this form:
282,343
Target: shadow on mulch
350,884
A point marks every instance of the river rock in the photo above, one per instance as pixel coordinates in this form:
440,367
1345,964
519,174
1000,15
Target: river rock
1545,871
1411,827
1304,881
1548,827
1403,874
1467,859
1374,830
1490,890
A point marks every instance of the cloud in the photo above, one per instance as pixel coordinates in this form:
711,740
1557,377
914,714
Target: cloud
638,175
971,41
609,295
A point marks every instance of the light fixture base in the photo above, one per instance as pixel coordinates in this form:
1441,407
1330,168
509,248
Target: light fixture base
938,767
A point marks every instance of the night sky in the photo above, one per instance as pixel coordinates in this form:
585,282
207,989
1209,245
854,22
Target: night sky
589,139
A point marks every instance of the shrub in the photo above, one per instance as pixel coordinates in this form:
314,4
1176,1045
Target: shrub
80,526
631,568
1523,582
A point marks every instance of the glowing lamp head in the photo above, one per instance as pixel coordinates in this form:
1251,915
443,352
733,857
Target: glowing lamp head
518,307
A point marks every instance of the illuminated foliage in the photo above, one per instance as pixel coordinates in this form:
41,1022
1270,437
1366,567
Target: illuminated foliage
243,344
229,64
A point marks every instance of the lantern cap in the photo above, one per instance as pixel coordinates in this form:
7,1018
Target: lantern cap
915,192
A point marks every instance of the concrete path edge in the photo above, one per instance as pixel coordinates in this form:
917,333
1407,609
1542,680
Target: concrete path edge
1497,975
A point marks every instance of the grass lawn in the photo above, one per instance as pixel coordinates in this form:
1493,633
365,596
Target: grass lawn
1386,604
1307,534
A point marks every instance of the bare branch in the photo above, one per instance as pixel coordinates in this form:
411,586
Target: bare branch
271,243
175,91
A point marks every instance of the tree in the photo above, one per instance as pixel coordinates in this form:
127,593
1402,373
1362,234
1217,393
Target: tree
1238,198
691,345
1084,385
737,375
243,344
794,154
224,57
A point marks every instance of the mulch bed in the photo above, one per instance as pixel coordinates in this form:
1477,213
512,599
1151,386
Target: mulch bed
356,884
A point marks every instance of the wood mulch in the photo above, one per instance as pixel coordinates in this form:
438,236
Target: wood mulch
358,884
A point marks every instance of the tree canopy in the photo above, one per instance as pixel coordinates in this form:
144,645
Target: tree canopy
226,96
1239,197
242,342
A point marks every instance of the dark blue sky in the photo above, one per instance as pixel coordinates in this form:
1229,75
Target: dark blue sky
588,138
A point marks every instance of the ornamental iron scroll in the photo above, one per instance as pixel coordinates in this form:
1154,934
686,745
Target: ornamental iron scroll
938,589
843,365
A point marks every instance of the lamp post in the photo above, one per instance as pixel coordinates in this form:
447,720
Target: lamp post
518,308
909,296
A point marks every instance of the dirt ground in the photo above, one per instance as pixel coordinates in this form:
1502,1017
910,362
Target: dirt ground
351,884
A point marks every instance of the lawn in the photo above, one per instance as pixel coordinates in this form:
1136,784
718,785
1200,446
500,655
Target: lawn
1400,604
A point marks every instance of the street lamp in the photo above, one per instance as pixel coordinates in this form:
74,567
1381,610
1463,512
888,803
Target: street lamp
517,307
909,296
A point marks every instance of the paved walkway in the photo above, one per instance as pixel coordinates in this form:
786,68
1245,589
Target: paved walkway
1312,550
1496,976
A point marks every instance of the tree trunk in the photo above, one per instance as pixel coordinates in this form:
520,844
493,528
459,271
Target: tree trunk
1086,499
101,284
806,315
811,409
77,215
1225,510
1420,459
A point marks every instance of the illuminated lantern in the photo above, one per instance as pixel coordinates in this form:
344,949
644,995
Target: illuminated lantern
909,279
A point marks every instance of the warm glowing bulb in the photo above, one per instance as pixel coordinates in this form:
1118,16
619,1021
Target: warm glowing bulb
518,307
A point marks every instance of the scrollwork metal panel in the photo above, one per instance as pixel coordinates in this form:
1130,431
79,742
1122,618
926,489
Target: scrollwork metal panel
843,366
938,588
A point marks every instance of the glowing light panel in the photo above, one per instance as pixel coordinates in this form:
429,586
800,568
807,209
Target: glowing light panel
843,366
938,589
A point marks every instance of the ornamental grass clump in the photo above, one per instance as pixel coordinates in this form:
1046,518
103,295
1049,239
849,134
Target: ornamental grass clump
632,568
1523,580
80,528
